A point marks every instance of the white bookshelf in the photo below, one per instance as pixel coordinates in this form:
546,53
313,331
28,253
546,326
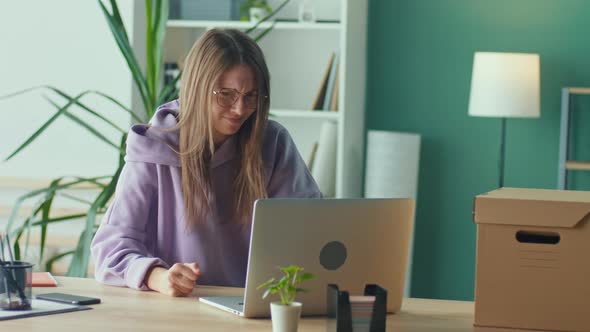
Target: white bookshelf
297,55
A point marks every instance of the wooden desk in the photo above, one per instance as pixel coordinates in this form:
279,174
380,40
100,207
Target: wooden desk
131,310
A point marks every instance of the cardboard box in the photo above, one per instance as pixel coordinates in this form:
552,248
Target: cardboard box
533,259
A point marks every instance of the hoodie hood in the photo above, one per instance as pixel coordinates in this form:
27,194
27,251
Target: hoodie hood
157,141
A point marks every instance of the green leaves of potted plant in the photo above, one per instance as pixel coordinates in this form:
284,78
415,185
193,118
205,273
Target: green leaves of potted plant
285,313
256,10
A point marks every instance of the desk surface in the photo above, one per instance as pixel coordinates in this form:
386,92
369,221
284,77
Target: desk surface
127,309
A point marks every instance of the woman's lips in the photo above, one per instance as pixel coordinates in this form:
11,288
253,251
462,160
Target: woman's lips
235,121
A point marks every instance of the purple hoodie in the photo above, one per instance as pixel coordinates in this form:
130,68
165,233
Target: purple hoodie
145,224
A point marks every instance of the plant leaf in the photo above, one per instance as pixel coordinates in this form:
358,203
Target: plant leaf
19,92
149,49
39,131
45,209
60,219
79,265
85,125
79,103
169,91
305,276
50,261
266,283
120,34
89,110
118,103
159,30
74,198
265,32
19,201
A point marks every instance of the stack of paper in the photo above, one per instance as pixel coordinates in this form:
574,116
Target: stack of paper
361,309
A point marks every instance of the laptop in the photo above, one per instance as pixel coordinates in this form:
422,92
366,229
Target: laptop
348,242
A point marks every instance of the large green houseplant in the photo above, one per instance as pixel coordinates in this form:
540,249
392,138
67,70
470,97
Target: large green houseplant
147,80
152,94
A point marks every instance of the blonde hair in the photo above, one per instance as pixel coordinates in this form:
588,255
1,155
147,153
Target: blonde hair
213,54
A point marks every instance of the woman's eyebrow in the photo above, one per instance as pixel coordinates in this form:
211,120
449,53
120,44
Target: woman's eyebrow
255,90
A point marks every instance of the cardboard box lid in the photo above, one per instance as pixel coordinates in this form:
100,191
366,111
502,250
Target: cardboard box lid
532,207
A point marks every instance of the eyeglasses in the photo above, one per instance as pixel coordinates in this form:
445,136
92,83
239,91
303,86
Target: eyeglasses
227,97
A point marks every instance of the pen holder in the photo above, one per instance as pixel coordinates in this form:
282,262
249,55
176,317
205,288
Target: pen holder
340,312
15,285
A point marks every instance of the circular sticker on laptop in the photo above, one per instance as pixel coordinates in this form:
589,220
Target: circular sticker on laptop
333,255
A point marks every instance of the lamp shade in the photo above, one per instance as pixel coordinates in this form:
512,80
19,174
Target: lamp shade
505,85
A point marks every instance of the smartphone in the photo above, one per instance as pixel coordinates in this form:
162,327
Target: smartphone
68,298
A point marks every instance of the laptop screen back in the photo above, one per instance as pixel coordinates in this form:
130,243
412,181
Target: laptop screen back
348,242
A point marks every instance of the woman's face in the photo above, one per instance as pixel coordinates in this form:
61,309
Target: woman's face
235,99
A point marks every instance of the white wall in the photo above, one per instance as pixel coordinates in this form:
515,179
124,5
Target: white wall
67,44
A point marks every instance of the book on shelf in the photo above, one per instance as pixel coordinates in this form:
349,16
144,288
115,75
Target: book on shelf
331,82
318,101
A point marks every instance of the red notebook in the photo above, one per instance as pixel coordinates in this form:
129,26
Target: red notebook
43,279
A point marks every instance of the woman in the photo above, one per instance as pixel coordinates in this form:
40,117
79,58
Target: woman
184,200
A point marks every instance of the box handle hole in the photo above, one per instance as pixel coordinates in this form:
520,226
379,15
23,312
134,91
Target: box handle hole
537,237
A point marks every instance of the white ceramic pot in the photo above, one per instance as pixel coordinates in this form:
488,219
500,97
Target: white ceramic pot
285,318
257,14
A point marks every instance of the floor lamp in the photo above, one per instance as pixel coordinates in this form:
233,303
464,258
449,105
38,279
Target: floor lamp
505,85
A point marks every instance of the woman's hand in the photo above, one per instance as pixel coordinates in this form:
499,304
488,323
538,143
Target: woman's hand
179,280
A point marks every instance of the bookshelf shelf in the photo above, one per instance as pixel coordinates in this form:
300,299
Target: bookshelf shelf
245,25
302,114
577,165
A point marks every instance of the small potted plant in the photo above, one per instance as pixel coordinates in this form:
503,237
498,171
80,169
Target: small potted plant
286,312
255,10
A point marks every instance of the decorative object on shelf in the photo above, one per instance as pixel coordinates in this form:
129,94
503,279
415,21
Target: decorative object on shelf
391,171
348,313
306,11
215,10
505,85
324,165
285,314
254,10
263,19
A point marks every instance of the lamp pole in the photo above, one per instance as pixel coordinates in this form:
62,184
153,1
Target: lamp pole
502,154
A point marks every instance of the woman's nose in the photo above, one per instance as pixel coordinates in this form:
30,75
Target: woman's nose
239,106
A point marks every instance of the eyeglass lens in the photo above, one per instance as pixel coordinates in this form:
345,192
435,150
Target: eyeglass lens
228,97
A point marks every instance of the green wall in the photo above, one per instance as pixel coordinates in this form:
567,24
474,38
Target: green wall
419,71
